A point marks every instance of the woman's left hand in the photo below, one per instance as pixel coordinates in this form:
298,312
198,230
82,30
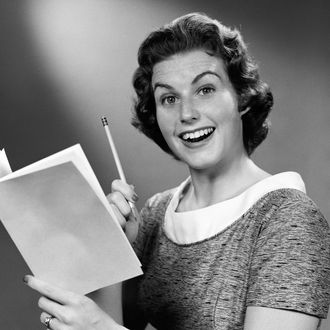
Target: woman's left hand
68,310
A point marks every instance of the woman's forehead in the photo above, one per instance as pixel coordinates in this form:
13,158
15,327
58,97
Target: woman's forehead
186,66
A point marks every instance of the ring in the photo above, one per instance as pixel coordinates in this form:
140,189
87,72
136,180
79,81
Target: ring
48,320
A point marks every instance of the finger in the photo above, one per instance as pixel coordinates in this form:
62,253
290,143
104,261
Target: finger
59,295
43,317
54,323
51,307
120,202
125,189
135,215
121,219
131,228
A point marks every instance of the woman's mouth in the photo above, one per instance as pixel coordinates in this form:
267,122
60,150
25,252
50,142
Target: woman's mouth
197,135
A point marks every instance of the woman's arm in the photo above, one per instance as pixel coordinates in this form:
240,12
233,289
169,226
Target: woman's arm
263,318
68,310
109,299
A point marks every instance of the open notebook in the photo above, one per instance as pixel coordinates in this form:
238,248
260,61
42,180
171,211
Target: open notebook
56,213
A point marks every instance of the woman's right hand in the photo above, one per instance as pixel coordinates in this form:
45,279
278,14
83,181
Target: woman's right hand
120,196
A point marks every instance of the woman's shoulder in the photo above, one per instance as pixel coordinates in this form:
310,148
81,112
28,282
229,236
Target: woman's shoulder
294,208
160,199
290,266
290,199
155,207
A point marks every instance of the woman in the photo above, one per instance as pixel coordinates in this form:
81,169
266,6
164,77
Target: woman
232,247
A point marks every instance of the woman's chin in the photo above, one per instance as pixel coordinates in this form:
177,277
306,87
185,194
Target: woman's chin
200,163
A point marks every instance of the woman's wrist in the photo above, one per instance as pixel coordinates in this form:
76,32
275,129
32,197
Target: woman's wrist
111,324
114,326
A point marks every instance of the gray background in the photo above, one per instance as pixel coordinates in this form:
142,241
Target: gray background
64,63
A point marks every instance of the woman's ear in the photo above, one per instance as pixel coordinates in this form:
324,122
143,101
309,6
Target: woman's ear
242,113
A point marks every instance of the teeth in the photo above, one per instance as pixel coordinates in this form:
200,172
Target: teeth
197,134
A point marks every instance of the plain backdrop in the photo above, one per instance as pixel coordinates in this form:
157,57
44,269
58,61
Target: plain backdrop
65,63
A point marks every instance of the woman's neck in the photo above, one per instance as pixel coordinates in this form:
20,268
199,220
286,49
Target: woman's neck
210,187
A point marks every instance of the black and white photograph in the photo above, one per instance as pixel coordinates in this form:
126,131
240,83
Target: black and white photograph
164,165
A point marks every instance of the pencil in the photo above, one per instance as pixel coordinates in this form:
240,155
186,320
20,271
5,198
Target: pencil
113,149
117,160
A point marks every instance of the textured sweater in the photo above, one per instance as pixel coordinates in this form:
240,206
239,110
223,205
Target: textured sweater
275,255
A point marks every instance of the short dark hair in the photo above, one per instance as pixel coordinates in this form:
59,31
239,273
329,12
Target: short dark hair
198,31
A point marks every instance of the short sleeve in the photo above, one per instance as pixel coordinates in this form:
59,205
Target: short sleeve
290,267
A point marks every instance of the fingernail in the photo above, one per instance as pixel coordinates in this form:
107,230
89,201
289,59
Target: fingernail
25,278
135,197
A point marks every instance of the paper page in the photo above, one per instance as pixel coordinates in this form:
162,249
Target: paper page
74,154
4,164
63,230
78,157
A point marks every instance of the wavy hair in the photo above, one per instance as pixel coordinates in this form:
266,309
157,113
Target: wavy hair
198,31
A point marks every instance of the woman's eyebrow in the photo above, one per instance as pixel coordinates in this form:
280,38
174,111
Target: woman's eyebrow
201,75
195,80
161,85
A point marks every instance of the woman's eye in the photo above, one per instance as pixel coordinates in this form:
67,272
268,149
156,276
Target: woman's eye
168,99
206,90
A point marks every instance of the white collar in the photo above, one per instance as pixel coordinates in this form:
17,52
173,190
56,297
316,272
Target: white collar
192,226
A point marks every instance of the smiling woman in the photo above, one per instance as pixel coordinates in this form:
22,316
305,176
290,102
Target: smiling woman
233,246
223,250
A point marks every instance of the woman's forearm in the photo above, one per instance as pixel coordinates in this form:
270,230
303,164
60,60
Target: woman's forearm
109,299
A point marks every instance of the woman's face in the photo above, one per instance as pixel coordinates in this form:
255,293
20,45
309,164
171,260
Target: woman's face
197,109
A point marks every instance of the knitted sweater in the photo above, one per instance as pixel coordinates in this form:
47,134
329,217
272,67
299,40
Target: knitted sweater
276,255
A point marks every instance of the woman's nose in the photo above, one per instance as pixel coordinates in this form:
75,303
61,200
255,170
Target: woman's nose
188,112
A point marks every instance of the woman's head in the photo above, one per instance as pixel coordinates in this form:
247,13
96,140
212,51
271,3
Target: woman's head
199,32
